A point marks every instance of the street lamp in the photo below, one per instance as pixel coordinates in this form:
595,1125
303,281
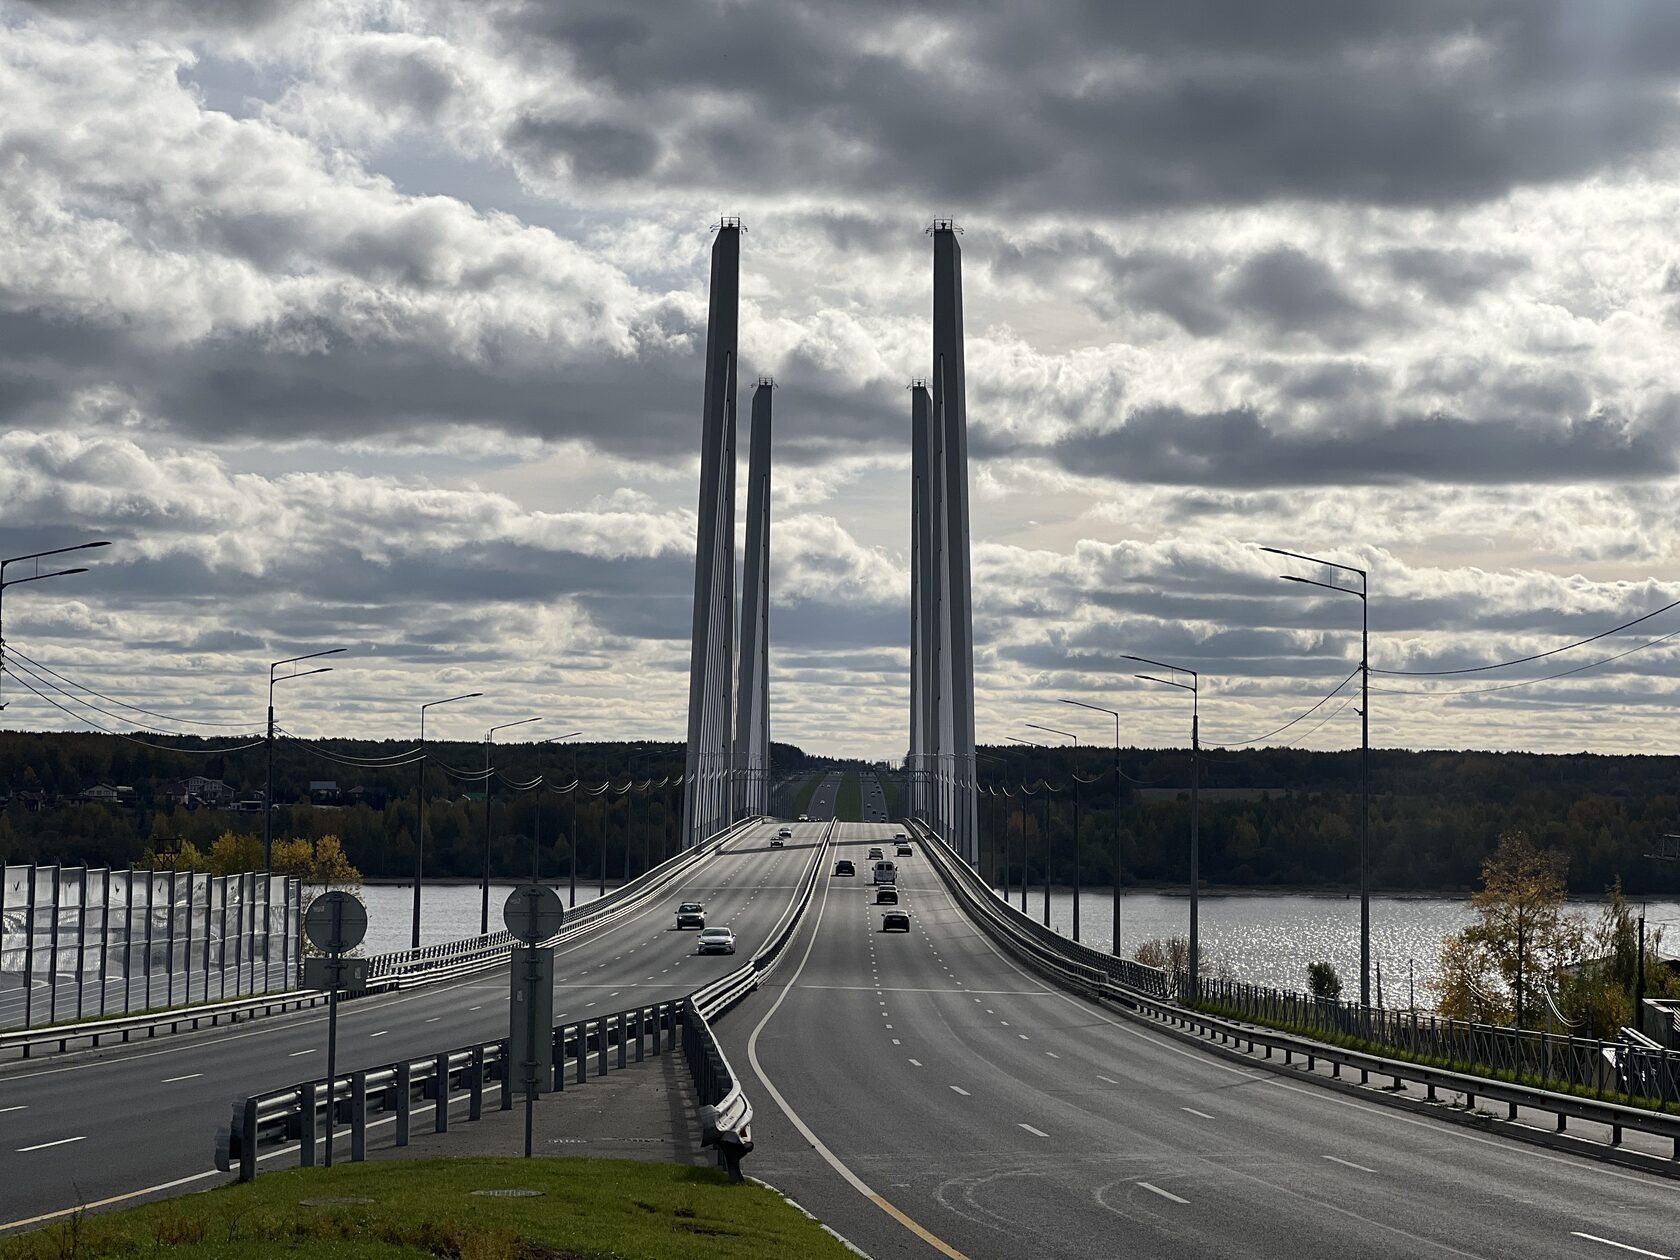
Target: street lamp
536,820
1044,786
36,576
1192,687
484,886
420,810
1083,705
1363,593
1075,739
268,792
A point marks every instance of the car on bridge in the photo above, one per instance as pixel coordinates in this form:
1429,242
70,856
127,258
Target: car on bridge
886,872
886,895
717,940
804,818
875,853
903,849
844,867
895,920
691,914
780,839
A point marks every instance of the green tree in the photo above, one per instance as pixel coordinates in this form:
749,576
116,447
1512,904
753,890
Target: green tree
1324,980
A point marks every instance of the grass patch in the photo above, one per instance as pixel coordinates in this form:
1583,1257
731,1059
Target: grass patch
848,801
589,1208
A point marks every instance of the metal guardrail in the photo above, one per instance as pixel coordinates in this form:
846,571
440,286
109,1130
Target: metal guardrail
294,1112
431,964
1633,1064
1066,967
27,1039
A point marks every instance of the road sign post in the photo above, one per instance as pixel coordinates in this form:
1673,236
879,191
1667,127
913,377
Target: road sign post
335,922
532,913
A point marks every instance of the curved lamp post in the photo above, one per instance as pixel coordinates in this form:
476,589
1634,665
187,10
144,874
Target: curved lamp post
1115,949
1363,593
1195,797
268,792
420,821
484,884
36,576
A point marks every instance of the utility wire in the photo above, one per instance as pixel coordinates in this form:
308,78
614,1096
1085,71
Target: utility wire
405,758
1521,660
12,648
1232,743
82,717
110,713
1482,691
341,761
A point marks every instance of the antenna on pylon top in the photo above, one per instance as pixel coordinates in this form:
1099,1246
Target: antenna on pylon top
728,221
767,382
942,225
917,382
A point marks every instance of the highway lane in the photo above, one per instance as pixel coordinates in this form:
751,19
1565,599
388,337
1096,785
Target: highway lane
1005,1118
87,1126
821,808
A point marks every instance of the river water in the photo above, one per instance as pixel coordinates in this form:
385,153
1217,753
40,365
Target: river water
1263,938
1269,939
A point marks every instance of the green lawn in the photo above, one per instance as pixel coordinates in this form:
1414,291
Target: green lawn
848,801
404,1208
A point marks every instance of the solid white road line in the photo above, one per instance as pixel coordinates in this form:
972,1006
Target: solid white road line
1109,1079
1165,1194
41,1146
19,1107
1611,1242
380,1033
1204,1115
1345,1163
958,1089
298,1054
190,1076
1035,1132
915,1063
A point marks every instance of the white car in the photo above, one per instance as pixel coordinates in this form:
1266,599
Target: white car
716,940
804,818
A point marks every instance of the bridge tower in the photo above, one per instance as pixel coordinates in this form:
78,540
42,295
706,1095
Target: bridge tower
707,799
752,691
942,760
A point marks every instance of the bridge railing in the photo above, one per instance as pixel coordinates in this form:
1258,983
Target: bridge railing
1065,963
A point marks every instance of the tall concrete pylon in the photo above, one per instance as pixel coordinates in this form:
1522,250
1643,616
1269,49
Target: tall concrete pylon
942,632
706,786
752,691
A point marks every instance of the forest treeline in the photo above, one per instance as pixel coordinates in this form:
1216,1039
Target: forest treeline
43,775
1435,815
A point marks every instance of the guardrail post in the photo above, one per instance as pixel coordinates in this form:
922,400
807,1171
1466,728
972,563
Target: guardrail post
440,1091
583,1052
358,1117
248,1142
506,1074
306,1128
601,1046
405,1085
557,1058
641,1032
671,1035
475,1084
623,1022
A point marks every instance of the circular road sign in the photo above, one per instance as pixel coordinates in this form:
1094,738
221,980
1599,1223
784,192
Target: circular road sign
533,913
335,922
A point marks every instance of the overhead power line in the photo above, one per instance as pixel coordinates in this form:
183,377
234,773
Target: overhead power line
133,739
1299,717
12,649
1523,660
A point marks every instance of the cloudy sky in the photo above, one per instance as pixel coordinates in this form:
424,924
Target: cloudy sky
379,324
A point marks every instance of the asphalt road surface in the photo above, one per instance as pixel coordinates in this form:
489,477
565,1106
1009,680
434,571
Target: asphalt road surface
944,1102
88,1126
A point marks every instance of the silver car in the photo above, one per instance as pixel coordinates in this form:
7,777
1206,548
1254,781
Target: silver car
716,940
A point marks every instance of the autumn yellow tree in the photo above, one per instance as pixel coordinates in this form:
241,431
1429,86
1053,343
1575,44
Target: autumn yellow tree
232,854
324,862
1521,941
